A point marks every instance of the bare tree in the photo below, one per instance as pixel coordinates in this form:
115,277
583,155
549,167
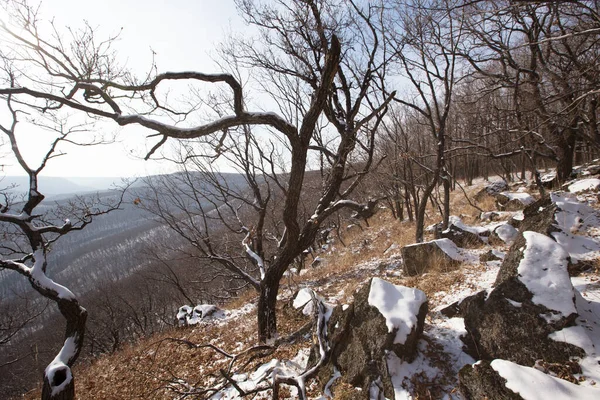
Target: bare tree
303,40
426,37
29,235
543,58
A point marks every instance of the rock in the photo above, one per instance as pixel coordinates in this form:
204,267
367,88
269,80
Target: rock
489,256
514,321
187,315
513,201
481,381
586,170
437,255
501,379
360,335
539,217
585,185
516,220
549,180
461,237
503,234
491,190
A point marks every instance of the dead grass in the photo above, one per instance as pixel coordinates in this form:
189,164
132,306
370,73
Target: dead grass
246,297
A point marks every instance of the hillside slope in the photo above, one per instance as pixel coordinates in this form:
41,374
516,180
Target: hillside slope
219,358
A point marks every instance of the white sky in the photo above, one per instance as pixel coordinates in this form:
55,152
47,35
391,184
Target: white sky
183,33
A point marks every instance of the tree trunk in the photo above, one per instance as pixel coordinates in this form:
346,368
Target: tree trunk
267,311
446,181
59,383
564,166
420,228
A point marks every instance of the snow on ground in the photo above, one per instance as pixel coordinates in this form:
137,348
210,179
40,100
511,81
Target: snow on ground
402,372
441,353
579,227
586,332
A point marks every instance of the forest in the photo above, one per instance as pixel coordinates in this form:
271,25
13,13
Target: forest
333,111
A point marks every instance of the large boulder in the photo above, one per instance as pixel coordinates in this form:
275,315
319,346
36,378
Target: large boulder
437,255
513,201
503,234
462,235
481,381
501,379
533,298
491,190
539,217
383,317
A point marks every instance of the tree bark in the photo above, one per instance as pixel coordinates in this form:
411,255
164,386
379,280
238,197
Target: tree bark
267,308
59,383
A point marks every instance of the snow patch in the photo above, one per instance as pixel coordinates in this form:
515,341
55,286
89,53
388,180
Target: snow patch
585,185
533,384
507,233
399,305
543,269
524,198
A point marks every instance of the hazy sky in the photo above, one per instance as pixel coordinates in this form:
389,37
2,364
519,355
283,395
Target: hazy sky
183,33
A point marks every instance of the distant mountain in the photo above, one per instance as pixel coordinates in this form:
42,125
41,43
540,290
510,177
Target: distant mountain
48,185
112,246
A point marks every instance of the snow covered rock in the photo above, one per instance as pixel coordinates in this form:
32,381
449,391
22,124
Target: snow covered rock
438,255
533,298
513,201
463,235
491,189
503,379
503,234
480,381
383,317
585,185
187,315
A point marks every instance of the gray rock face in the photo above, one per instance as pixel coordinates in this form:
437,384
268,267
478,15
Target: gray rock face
491,190
461,237
510,326
422,257
539,217
505,203
480,381
359,341
508,323
489,256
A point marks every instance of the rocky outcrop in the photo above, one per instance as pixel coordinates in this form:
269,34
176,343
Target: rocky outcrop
490,255
513,322
360,335
512,201
491,190
503,234
437,255
481,381
462,237
501,379
539,217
